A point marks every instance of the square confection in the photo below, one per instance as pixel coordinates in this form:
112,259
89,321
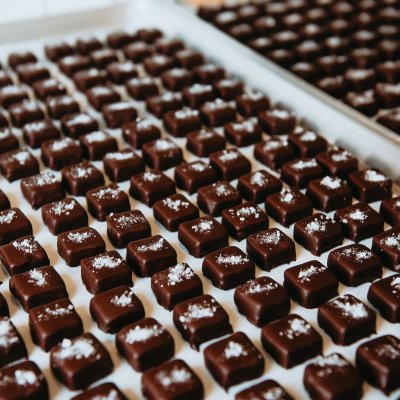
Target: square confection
156,64
120,72
73,246
125,227
115,308
288,206
228,267
79,362
142,88
70,65
59,106
100,96
270,248
37,286
265,388
390,210
145,344
243,133
318,233
140,131
180,122
308,143
121,165
60,153
12,345
176,79
346,319
251,103
52,322
230,164
355,264
161,382
41,189
168,46
105,271
23,255
104,200
175,284
8,141
162,154
192,176
35,133
202,236
116,114
160,104
12,94
18,164
311,284
208,73
204,142
201,319
379,362
234,360
174,210
150,255
299,172
49,88
105,390
13,225
97,144
25,112
384,295
338,162
387,246
64,215
291,340
4,201
218,112
274,152
80,178
277,121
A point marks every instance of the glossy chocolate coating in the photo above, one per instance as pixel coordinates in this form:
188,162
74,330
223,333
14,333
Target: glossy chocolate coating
141,131
74,63
338,162
179,123
49,88
75,125
120,72
230,164
116,114
204,142
89,78
262,389
308,143
25,112
251,103
103,390
12,345
197,94
390,210
11,94
299,172
59,106
8,141
60,153
162,154
274,152
100,96
18,164
35,133
192,176
277,121
97,144
13,225
142,88
217,112
387,246
243,133
160,104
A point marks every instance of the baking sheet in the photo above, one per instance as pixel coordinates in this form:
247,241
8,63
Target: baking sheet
336,127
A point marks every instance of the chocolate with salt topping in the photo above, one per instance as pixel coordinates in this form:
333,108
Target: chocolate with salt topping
175,284
101,58
228,88
204,142
338,162
97,144
176,79
230,164
121,165
308,143
264,389
89,78
208,73
346,319
4,201
105,271
262,300
8,141
243,133
173,379
11,94
100,96
35,133
277,121
49,88
23,255
202,236
119,39
217,112
13,225
141,131
79,362
73,246
379,362
251,103
274,152
291,340
116,114
299,172
390,119
59,106
56,51
150,255
201,319
75,125
188,58
106,390
198,94
179,123
137,51
332,377
25,112
126,227
384,295
156,64
387,246
162,103
12,345
50,323
18,164
74,63
115,308
142,88
234,360
270,248
162,154
60,153
37,286
192,176
311,284
168,46
120,72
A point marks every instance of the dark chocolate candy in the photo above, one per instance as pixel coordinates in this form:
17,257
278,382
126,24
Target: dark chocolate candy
244,219
180,123
73,246
12,345
61,153
277,121
74,63
192,176
173,379
162,154
80,178
24,380
387,246
142,88
308,143
379,362
42,189
105,271
116,114
151,186
384,295
249,104
189,58
75,125
145,344
168,46
20,58
4,311
243,133
141,131
270,248
370,185
262,300
174,210
390,210
89,78
56,51
262,390
25,112
198,94
299,172
121,165
107,199
228,267
8,141
125,227
387,94
274,152
49,88
204,142
202,236
311,284
156,64
160,104
137,51
100,96
332,377
346,319
228,88
359,221
329,193
234,360
150,255
291,340
103,390
175,284
5,79
363,102
318,233
59,106
176,79
120,72
355,264
97,144
52,322
79,362
35,133
230,164
338,162
4,201
13,225
115,308
217,112
201,319
18,164
38,286
119,39
11,94
23,255
103,57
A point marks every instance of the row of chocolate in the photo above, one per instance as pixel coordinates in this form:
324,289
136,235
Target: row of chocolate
350,50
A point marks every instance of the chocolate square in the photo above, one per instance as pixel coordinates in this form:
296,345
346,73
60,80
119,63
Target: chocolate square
103,57
20,58
204,142
228,88
56,51
168,46
97,144
24,112
277,121
60,153
160,104
156,64
5,79
32,72
264,388
35,133
141,131
176,79
274,152
189,58
250,104
119,39
387,246
243,133
4,201
18,164
256,186
49,88
117,113
59,106
105,389
100,96
13,225
12,345
299,172
390,210
137,51
12,94
162,154
142,88
218,112
192,176
198,94
308,143
230,164
75,125
8,141
120,72
89,78
121,165
74,63
208,73
180,123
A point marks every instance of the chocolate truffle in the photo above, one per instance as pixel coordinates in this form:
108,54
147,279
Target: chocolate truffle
204,142
299,172
346,319
120,72
243,133
141,131
35,133
103,57
119,39
12,345
363,102
168,46
208,73
188,58
274,152
97,144
25,112
201,319
11,94
251,103
230,164
13,225
338,162
116,114
262,389
277,121
192,176
121,165
387,246
162,154
60,153
156,64
49,88
74,63
308,143
390,210
89,78
75,125
228,88
59,106
180,123
56,51
217,112
198,94
142,88
160,104
18,164
100,96
176,79
8,141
